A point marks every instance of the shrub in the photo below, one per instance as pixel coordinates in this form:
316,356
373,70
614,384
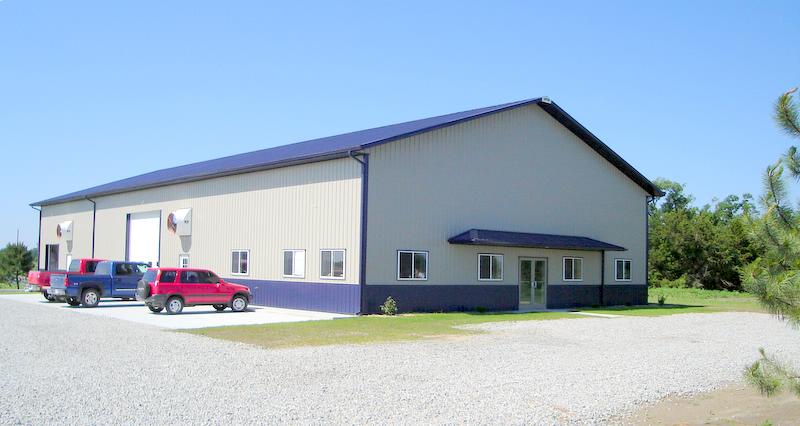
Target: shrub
680,282
480,309
662,299
389,307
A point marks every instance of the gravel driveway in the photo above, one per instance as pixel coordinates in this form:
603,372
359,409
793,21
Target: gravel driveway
101,370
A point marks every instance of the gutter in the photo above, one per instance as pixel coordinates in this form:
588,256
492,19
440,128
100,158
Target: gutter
94,221
362,263
39,244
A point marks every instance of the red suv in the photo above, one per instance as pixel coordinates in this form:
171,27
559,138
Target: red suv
174,288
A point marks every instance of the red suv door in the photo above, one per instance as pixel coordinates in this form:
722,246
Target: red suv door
197,288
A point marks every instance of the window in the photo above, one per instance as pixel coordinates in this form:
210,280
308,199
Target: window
622,269
167,277
412,265
573,269
103,268
183,261
239,262
332,264
294,263
123,269
490,267
91,265
74,264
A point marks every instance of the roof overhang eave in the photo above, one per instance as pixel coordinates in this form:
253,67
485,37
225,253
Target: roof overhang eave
344,153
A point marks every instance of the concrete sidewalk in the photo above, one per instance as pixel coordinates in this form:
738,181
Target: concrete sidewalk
191,317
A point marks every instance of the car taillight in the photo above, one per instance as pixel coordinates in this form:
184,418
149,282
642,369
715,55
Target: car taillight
66,281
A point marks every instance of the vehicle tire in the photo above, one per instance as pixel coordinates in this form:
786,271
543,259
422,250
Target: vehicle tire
90,298
154,309
174,305
47,296
239,303
220,307
73,302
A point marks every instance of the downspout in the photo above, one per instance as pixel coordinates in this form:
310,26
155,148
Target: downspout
362,264
602,277
94,221
39,244
650,199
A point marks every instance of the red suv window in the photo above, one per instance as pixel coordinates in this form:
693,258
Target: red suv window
198,277
167,277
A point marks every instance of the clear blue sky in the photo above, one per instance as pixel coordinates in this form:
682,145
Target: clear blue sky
94,91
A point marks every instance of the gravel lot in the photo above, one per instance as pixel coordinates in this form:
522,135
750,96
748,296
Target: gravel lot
102,370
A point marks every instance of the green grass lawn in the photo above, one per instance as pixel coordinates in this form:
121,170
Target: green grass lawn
365,329
376,328
688,300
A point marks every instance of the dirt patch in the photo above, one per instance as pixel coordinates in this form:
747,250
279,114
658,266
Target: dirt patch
732,405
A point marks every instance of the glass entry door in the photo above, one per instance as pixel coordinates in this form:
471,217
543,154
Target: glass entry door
525,281
532,282
539,281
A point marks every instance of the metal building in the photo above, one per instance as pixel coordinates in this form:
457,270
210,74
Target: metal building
515,206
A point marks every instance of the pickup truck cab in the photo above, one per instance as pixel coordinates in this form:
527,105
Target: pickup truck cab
174,288
111,279
41,278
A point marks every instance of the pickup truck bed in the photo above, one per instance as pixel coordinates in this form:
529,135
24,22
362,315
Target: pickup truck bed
42,278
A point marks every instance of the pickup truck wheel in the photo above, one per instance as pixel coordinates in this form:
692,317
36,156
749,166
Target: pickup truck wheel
73,302
47,296
220,307
239,303
154,309
174,305
90,298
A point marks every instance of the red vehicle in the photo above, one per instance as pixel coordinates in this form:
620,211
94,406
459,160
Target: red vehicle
41,278
174,288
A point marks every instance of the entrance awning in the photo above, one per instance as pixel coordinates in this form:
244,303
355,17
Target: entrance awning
483,237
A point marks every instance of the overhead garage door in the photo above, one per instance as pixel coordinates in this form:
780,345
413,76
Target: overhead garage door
143,237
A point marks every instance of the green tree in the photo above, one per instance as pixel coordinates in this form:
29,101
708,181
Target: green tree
774,277
15,261
699,247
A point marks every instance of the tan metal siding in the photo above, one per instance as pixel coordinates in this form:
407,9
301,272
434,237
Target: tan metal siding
311,206
517,170
80,213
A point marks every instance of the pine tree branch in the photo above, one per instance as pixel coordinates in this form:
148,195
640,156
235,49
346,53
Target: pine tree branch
786,114
776,193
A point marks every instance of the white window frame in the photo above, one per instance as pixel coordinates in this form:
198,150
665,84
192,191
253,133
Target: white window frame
621,261
344,265
413,253
240,251
564,272
502,266
186,256
294,252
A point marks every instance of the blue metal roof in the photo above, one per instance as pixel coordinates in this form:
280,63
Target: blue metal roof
483,237
333,147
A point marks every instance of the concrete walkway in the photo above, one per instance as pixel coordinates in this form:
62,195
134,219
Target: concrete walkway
191,317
